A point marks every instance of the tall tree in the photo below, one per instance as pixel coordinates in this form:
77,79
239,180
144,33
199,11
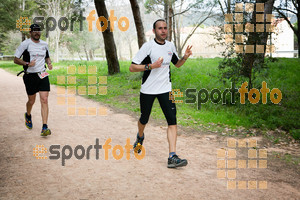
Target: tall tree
238,63
109,42
10,11
225,3
8,17
138,22
257,38
170,20
287,8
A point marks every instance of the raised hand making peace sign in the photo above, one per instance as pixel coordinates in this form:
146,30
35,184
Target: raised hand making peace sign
188,52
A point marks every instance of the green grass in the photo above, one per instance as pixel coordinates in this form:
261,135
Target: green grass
288,158
123,92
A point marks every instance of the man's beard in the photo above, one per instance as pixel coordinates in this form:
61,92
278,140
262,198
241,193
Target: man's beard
36,37
160,37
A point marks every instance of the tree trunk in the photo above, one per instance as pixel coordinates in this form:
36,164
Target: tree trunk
79,55
23,8
268,10
174,31
23,36
86,52
298,28
91,54
138,22
256,38
178,39
298,46
228,6
109,42
166,10
170,22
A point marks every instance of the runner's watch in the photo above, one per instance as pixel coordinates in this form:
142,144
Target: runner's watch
147,67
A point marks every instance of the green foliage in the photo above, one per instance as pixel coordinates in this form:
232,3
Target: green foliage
295,134
231,68
10,11
235,70
237,66
11,43
8,16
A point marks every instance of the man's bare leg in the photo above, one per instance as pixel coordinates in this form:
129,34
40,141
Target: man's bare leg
173,160
44,106
29,104
172,137
140,138
141,128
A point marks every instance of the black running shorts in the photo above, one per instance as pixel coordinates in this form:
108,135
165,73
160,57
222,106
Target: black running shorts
34,84
167,106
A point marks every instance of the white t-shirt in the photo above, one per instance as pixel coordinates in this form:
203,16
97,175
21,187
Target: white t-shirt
30,51
158,80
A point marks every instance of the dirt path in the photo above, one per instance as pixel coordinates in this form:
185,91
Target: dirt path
22,176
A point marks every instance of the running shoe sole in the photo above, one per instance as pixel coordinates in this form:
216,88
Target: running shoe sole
181,164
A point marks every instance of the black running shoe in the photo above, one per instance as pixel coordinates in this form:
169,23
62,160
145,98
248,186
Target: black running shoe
175,161
137,146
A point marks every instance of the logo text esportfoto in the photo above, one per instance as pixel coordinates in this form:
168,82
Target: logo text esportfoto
66,152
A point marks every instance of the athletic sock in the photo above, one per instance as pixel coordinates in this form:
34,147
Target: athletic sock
28,116
138,136
171,154
45,126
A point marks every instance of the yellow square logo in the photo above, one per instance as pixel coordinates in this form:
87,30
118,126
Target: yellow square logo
92,80
81,90
221,164
71,80
61,80
228,18
102,90
71,69
231,142
221,153
82,69
239,7
92,69
60,90
92,90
